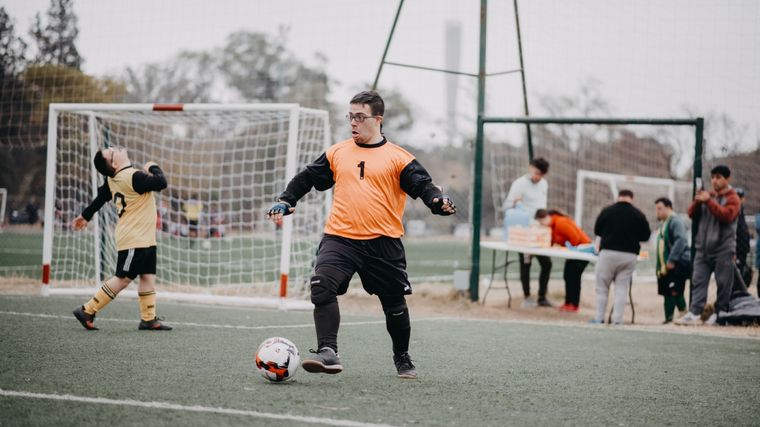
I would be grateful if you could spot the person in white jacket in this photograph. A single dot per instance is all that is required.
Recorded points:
(531, 190)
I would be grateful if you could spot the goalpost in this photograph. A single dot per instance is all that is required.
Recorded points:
(646, 190)
(644, 153)
(224, 163)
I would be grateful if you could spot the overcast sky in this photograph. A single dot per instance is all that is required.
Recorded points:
(650, 57)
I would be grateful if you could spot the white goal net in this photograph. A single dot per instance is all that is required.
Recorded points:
(224, 165)
(597, 190)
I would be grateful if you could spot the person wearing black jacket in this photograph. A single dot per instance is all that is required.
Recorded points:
(621, 228)
(743, 242)
(131, 190)
(371, 178)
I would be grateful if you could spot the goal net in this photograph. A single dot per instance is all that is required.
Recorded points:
(596, 190)
(224, 165)
(590, 163)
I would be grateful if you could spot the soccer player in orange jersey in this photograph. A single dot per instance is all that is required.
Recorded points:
(371, 178)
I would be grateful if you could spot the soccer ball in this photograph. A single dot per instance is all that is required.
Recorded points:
(206, 244)
(277, 359)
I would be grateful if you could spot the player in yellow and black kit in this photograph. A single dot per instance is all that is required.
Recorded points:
(371, 178)
(131, 190)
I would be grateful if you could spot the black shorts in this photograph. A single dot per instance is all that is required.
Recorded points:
(380, 262)
(136, 261)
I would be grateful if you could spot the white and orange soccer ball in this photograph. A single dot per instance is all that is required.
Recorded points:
(277, 359)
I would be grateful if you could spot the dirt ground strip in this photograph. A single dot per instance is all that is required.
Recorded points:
(433, 300)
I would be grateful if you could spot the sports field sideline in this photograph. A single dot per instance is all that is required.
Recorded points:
(471, 372)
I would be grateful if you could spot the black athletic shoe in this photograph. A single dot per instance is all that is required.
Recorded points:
(324, 361)
(154, 325)
(85, 319)
(543, 302)
(404, 366)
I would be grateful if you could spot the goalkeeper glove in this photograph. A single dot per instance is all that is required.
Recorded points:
(443, 205)
(281, 207)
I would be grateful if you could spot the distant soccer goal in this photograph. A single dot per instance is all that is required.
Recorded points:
(595, 190)
(224, 165)
(592, 159)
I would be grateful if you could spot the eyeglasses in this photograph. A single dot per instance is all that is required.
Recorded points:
(359, 117)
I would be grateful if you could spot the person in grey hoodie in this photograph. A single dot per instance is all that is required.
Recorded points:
(673, 258)
(716, 212)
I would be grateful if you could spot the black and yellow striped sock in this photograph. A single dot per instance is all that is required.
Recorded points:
(147, 305)
(102, 297)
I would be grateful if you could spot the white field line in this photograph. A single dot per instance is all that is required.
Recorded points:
(187, 408)
(211, 325)
(704, 331)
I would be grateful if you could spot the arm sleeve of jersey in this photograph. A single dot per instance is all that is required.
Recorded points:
(104, 195)
(317, 174)
(143, 182)
(416, 182)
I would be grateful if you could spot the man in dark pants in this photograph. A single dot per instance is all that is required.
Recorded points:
(530, 191)
(715, 245)
(372, 178)
(673, 265)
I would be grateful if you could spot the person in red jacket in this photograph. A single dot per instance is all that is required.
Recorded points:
(717, 214)
(565, 230)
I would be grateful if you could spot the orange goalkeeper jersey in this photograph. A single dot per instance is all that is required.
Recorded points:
(368, 200)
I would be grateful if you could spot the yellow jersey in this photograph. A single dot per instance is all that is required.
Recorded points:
(131, 190)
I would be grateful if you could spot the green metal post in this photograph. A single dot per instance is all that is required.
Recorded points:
(477, 185)
(522, 76)
(387, 45)
(699, 125)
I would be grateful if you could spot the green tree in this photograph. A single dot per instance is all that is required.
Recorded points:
(12, 48)
(12, 61)
(56, 39)
(55, 83)
(261, 69)
(187, 77)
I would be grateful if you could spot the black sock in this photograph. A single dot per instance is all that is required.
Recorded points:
(327, 321)
(397, 323)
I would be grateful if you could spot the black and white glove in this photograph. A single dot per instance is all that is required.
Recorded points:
(280, 208)
(443, 205)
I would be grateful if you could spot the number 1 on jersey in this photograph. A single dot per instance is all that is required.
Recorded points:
(361, 169)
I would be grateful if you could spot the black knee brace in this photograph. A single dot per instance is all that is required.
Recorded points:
(393, 304)
(326, 284)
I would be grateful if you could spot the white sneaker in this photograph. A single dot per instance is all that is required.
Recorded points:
(712, 320)
(529, 302)
(690, 319)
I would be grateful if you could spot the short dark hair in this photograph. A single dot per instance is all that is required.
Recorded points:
(665, 201)
(102, 166)
(541, 164)
(721, 170)
(371, 98)
(543, 213)
(625, 193)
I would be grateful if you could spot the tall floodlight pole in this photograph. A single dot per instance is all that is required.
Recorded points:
(387, 45)
(477, 185)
